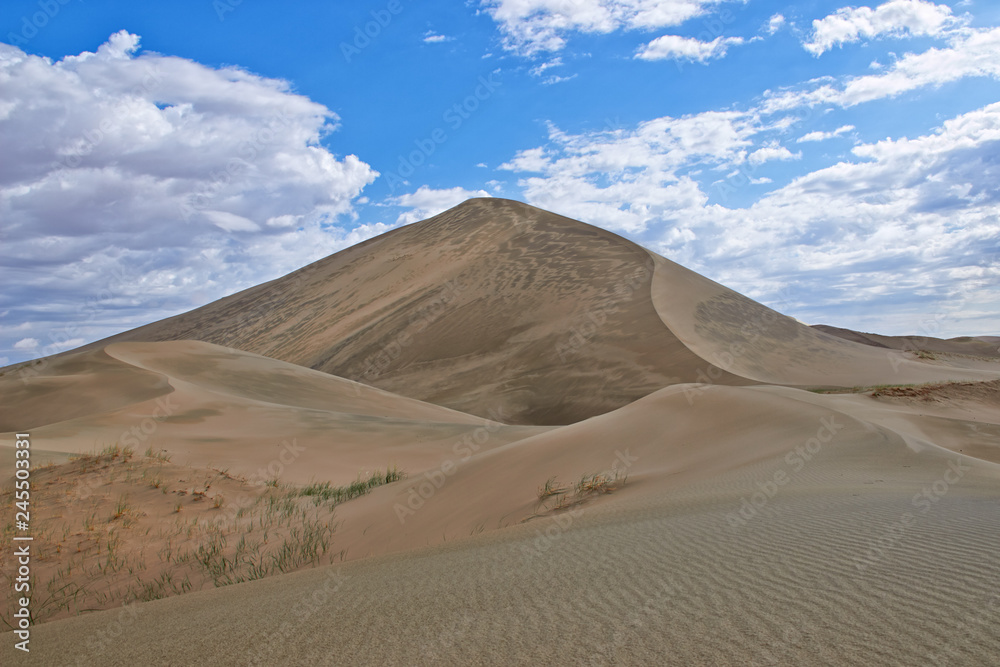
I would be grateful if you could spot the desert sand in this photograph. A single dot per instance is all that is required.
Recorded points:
(725, 485)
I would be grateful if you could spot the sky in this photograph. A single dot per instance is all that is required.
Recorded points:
(837, 162)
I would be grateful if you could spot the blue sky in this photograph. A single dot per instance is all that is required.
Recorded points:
(837, 162)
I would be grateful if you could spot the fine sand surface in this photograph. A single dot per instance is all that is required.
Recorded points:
(491, 304)
(726, 485)
(840, 565)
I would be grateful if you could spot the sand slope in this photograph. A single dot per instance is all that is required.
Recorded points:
(493, 303)
(877, 547)
(748, 339)
(220, 407)
(760, 523)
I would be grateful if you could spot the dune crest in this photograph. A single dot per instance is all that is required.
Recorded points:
(589, 434)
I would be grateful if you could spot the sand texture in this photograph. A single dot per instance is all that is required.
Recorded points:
(609, 459)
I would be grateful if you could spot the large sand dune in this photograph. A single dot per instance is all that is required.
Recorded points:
(726, 514)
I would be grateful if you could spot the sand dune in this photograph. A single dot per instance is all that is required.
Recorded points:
(233, 410)
(748, 339)
(492, 304)
(978, 346)
(722, 487)
(697, 560)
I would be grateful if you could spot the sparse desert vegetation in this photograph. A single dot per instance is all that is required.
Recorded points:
(112, 527)
(566, 496)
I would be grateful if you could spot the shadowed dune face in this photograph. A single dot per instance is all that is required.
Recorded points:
(221, 407)
(975, 346)
(72, 385)
(770, 519)
(748, 339)
(494, 305)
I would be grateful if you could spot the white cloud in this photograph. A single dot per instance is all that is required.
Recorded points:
(822, 136)
(190, 180)
(427, 202)
(624, 179)
(430, 37)
(555, 78)
(533, 26)
(772, 152)
(537, 70)
(26, 344)
(689, 48)
(909, 224)
(911, 216)
(975, 53)
(775, 23)
(896, 18)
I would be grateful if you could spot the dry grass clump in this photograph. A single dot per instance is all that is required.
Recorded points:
(565, 496)
(112, 527)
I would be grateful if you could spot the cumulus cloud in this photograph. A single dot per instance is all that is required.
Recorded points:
(623, 179)
(427, 202)
(907, 222)
(26, 344)
(430, 37)
(910, 219)
(819, 135)
(974, 53)
(775, 23)
(530, 27)
(896, 18)
(131, 182)
(772, 152)
(687, 48)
